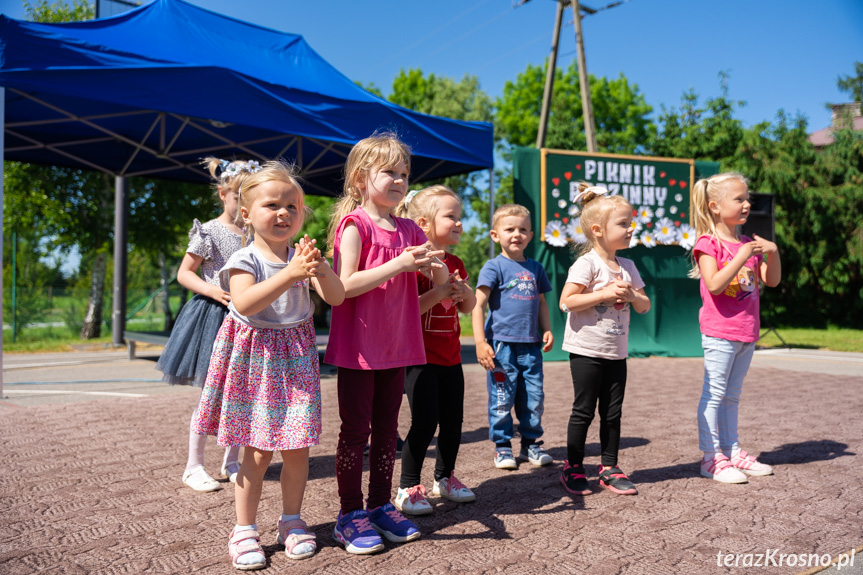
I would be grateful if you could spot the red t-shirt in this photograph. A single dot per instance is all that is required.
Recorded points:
(441, 330)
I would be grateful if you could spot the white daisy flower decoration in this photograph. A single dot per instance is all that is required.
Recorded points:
(633, 241)
(574, 210)
(648, 239)
(636, 227)
(686, 236)
(660, 212)
(561, 204)
(574, 231)
(673, 209)
(555, 192)
(665, 232)
(555, 235)
(645, 214)
(678, 197)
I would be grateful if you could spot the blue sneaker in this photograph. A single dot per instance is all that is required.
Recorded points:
(387, 521)
(356, 533)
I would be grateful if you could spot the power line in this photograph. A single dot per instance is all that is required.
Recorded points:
(429, 35)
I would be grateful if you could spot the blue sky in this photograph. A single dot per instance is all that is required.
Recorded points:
(779, 53)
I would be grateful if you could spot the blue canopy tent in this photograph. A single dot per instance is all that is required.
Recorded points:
(149, 92)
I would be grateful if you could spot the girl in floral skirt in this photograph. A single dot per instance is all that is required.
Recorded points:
(263, 387)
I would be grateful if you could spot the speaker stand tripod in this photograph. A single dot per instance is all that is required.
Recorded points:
(773, 329)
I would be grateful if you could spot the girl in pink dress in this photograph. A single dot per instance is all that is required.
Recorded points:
(263, 388)
(375, 334)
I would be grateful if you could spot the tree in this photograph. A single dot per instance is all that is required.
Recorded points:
(621, 113)
(853, 85)
(59, 11)
(710, 132)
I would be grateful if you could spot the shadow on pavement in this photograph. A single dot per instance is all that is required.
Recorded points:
(804, 452)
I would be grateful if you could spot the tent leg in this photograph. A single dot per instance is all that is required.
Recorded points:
(2, 132)
(491, 209)
(121, 213)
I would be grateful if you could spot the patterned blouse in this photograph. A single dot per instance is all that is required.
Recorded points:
(214, 243)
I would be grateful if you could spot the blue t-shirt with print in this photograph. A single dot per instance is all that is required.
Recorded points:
(513, 303)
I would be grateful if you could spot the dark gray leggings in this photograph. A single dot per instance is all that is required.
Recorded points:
(436, 396)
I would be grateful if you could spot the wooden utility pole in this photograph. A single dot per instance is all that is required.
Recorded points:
(549, 79)
(586, 104)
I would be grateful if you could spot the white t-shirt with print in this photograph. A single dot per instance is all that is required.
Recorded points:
(602, 330)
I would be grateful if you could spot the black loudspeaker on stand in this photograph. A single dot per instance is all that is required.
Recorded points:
(762, 222)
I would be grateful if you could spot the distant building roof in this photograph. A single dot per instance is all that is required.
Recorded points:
(824, 137)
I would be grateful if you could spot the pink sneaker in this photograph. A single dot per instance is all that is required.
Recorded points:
(749, 465)
(720, 469)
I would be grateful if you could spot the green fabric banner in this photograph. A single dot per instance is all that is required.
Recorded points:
(671, 327)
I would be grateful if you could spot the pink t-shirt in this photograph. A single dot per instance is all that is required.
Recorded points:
(602, 330)
(381, 328)
(733, 314)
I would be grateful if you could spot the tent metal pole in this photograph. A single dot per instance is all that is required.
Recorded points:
(2, 163)
(490, 209)
(121, 216)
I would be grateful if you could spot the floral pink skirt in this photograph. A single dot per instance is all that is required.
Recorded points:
(263, 388)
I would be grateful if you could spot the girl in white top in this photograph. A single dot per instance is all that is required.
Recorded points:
(263, 388)
(599, 291)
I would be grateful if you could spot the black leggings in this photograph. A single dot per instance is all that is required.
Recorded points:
(596, 378)
(436, 396)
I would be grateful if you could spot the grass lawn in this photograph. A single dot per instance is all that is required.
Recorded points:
(59, 339)
(832, 338)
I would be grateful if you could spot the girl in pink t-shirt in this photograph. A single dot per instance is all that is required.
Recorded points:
(600, 289)
(729, 266)
(375, 334)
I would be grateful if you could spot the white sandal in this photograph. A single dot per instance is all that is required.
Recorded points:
(230, 470)
(199, 480)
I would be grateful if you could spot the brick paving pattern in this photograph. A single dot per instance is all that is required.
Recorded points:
(94, 487)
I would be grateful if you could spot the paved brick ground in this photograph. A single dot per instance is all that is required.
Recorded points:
(94, 487)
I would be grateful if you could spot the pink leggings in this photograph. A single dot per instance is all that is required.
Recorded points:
(369, 401)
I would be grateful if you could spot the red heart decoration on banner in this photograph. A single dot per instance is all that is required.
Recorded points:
(568, 175)
(557, 214)
(578, 166)
(634, 213)
(555, 181)
(649, 224)
(677, 224)
(566, 220)
(672, 182)
(682, 184)
(662, 175)
(682, 215)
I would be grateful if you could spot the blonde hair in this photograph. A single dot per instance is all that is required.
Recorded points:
(596, 208)
(378, 151)
(706, 190)
(509, 210)
(272, 171)
(425, 204)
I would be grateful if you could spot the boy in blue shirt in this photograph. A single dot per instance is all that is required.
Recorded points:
(513, 287)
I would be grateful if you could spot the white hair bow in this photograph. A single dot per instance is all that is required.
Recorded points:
(598, 190)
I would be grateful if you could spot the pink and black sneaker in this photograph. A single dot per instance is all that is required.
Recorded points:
(574, 480)
(616, 481)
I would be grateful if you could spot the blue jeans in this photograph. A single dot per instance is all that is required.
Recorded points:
(725, 365)
(521, 388)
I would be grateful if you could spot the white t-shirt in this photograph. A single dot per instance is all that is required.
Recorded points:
(602, 330)
(290, 309)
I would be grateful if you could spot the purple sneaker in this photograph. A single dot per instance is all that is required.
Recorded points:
(387, 521)
(356, 533)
